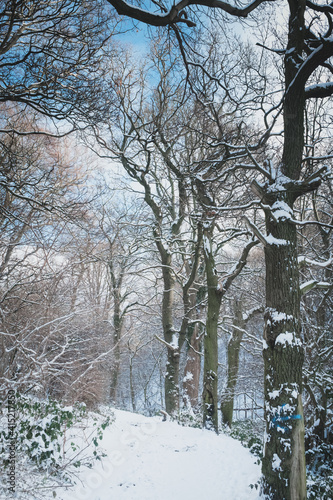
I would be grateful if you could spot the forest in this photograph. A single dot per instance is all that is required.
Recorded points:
(166, 222)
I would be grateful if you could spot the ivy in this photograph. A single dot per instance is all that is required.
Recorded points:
(41, 434)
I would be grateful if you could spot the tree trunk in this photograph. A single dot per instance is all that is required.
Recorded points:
(132, 389)
(215, 292)
(115, 373)
(192, 369)
(171, 383)
(117, 330)
(284, 455)
(284, 473)
(227, 405)
(193, 360)
(171, 386)
(321, 397)
(214, 295)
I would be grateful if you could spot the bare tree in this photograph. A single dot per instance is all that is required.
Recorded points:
(51, 61)
(119, 248)
(142, 145)
(31, 172)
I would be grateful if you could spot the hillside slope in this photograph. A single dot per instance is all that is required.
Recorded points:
(153, 460)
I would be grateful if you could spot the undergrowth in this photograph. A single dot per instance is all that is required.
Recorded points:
(47, 443)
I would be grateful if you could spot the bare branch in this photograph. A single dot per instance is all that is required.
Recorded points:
(176, 14)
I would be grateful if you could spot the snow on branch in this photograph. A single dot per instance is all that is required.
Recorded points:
(250, 314)
(247, 334)
(319, 90)
(302, 261)
(310, 285)
(256, 231)
(265, 240)
(307, 222)
(172, 347)
(239, 266)
(317, 57)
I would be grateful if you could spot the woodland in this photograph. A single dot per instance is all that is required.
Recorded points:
(166, 217)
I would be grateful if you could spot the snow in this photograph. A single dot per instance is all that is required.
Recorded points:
(317, 86)
(174, 341)
(188, 376)
(271, 240)
(206, 245)
(288, 338)
(274, 394)
(278, 316)
(304, 260)
(281, 211)
(280, 182)
(308, 284)
(149, 459)
(276, 463)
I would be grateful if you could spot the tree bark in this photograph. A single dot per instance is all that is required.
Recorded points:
(132, 389)
(320, 397)
(171, 383)
(192, 369)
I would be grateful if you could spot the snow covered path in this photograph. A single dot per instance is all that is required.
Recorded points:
(153, 460)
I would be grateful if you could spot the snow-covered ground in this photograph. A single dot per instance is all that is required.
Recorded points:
(149, 459)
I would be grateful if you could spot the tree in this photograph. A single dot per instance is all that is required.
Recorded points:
(32, 170)
(118, 238)
(309, 47)
(51, 59)
(140, 139)
(215, 136)
(240, 321)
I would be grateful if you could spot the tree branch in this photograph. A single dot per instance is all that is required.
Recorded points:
(319, 90)
(239, 266)
(176, 14)
(319, 8)
(317, 57)
(310, 285)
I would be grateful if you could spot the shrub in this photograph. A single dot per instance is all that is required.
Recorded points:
(248, 433)
(46, 436)
(319, 472)
(188, 417)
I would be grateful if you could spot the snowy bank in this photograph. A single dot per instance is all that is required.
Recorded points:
(153, 460)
